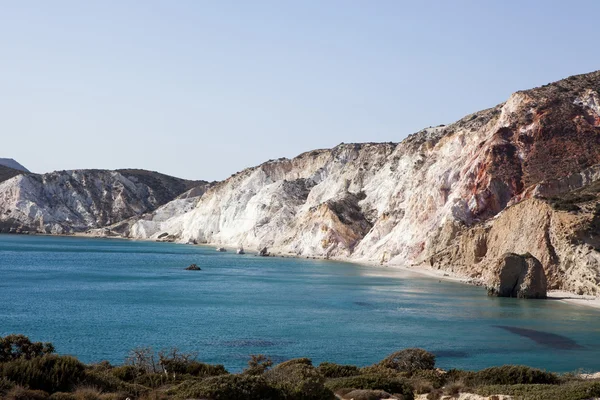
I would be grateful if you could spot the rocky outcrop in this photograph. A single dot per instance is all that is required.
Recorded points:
(193, 267)
(451, 197)
(515, 275)
(78, 200)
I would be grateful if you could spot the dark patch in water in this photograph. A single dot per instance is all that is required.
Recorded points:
(363, 304)
(544, 338)
(451, 354)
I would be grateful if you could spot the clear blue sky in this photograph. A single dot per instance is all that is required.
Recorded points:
(202, 89)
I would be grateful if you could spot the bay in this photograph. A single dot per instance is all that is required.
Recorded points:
(98, 298)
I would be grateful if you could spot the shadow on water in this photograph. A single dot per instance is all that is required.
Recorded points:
(363, 304)
(451, 354)
(544, 338)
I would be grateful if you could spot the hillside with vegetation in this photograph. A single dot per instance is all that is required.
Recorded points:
(32, 370)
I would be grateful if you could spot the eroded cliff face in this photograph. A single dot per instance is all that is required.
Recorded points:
(439, 198)
(72, 201)
(564, 242)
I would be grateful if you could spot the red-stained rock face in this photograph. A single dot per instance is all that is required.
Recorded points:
(552, 135)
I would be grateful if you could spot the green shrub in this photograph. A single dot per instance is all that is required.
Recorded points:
(153, 380)
(230, 387)
(50, 373)
(332, 370)
(409, 360)
(456, 375)
(567, 391)
(107, 382)
(126, 373)
(510, 375)
(294, 361)
(454, 388)
(373, 382)
(199, 369)
(20, 393)
(382, 371)
(5, 385)
(299, 380)
(15, 347)
(258, 364)
(428, 377)
(101, 366)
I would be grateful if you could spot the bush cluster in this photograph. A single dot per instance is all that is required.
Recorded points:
(566, 391)
(230, 387)
(509, 375)
(372, 382)
(299, 380)
(50, 373)
(409, 360)
(332, 370)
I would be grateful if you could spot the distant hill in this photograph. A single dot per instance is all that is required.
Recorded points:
(78, 200)
(10, 163)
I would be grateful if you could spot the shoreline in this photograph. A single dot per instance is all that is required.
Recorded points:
(555, 295)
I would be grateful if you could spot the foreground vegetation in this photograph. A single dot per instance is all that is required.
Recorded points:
(32, 370)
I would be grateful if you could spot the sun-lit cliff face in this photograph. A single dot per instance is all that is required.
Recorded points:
(408, 203)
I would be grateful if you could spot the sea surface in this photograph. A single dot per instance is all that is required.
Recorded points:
(99, 298)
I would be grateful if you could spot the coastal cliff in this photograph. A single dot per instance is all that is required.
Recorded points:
(520, 177)
(449, 197)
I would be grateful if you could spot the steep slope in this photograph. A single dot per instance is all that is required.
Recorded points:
(406, 203)
(71, 201)
(183, 203)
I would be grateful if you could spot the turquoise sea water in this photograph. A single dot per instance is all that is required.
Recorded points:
(97, 299)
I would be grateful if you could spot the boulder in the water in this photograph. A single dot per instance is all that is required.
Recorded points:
(515, 275)
(193, 267)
